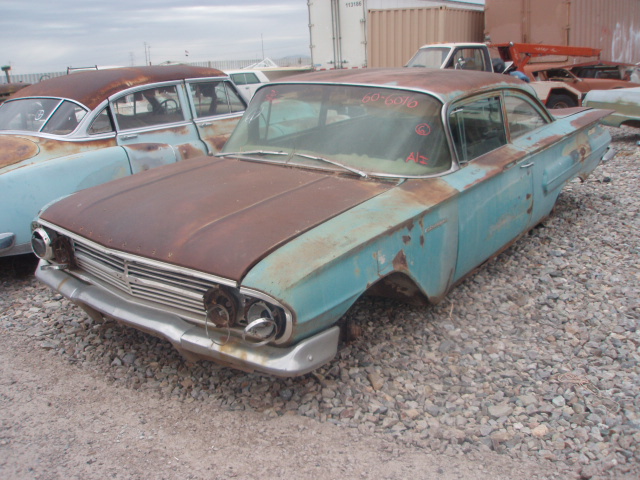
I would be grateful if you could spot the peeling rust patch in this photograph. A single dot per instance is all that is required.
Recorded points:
(400, 261)
(219, 218)
(428, 192)
(16, 149)
(187, 150)
(144, 147)
(445, 83)
(406, 239)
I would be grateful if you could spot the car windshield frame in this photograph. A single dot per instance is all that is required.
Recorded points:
(49, 115)
(430, 57)
(365, 130)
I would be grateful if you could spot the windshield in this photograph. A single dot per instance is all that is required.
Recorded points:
(378, 131)
(432, 57)
(48, 115)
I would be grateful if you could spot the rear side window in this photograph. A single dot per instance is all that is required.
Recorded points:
(65, 119)
(477, 127)
(215, 98)
(522, 116)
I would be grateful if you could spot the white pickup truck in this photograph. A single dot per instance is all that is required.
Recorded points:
(247, 81)
(476, 56)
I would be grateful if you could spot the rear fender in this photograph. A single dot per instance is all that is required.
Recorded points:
(25, 190)
(145, 156)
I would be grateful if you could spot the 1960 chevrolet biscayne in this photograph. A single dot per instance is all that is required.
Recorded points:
(394, 182)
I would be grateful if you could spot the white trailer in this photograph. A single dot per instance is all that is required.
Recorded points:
(338, 32)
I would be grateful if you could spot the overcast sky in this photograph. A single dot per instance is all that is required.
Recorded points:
(50, 35)
(39, 36)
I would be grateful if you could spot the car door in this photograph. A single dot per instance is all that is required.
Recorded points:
(554, 162)
(154, 123)
(494, 181)
(216, 107)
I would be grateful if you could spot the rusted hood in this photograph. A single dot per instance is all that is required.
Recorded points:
(220, 216)
(16, 149)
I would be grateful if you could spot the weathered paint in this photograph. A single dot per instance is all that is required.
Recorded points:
(16, 149)
(254, 206)
(440, 82)
(28, 189)
(459, 229)
(20, 150)
(92, 87)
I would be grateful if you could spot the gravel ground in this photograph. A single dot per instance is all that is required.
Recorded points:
(535, 358)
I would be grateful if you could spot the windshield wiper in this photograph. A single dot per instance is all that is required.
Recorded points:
(250, 152)
(288, 154)
(332, 162)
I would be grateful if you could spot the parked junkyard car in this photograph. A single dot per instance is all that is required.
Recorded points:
(586, 77)
(76, 131)
(624, 101)
(247, 81)
(397, 182)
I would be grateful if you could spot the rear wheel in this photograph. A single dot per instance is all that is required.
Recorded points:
(560, 100)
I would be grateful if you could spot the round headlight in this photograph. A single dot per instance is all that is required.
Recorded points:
(41, 244)
(261, 324)
(222, 306)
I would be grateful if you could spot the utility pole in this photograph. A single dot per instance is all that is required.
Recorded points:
(147, 54)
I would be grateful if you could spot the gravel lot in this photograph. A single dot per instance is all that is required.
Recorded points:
(528, 368)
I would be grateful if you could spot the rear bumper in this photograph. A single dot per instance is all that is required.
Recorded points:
(193, 340)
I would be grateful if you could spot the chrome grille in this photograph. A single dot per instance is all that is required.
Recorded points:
(141, 280)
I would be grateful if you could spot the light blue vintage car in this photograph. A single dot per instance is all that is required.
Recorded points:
(334, 184)
(76, 131)
(625, 103)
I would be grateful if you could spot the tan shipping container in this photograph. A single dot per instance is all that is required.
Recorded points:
(611, 25)
(395, 35)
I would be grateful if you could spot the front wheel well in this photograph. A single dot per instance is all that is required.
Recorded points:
(399, 286)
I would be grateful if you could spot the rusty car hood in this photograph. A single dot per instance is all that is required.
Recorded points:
(219, 216)
(14, 149)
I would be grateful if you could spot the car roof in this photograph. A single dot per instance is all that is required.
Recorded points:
(92, 87)
(445, 84)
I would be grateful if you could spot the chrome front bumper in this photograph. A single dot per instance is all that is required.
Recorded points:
(192, 340)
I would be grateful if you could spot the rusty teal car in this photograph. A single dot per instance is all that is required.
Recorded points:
(335, 184)
(76, 131)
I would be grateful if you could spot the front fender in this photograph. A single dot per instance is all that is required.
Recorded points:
(411, 230)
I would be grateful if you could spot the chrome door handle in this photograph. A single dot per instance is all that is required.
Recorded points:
(127, 137)
(527, 165)
(208, 124)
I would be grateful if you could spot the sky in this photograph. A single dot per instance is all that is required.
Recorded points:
(39, 36)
